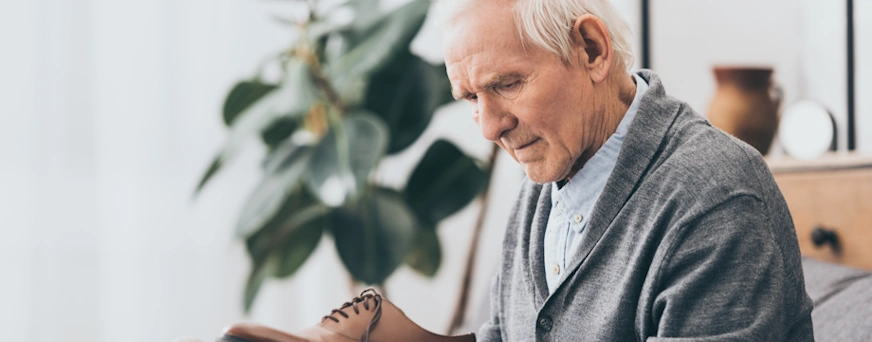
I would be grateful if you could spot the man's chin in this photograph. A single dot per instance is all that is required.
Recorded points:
(541, 176)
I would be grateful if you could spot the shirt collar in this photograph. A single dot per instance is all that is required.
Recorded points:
(578, 196)
(641, 88)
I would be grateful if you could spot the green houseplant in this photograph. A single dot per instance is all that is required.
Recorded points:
(350, 94)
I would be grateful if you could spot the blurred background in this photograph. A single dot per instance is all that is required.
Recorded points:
(113, 112)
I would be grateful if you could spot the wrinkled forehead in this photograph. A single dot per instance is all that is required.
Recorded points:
(446, 11)
(483, 26)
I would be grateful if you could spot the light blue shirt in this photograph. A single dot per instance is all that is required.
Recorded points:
(572, 205)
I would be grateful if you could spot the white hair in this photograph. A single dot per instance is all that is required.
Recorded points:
(548, 23)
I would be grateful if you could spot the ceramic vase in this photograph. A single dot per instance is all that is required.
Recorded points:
(746, 105)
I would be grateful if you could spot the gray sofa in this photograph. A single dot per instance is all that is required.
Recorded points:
(842, 301)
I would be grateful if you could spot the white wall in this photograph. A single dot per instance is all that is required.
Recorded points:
(16, 216)
(690, 36)
(48, 208)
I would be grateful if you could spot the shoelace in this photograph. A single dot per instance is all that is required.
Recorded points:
(366, 294)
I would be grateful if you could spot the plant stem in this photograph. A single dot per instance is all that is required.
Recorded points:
(463, 300)
(322, 83)
(307, 53)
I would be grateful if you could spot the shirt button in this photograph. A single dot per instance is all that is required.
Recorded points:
(578, 218)
(545, 323)
(555, 269)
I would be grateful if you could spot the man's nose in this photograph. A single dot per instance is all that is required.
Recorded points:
(493, 120)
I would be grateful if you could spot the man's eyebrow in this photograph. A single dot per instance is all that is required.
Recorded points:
(494, 81)
(458, 95)
(500, 79)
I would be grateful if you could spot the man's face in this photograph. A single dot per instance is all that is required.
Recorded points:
(537, 108)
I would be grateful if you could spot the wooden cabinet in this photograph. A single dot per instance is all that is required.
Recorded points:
(830, 200)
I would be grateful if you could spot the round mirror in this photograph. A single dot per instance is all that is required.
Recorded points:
(807, 130)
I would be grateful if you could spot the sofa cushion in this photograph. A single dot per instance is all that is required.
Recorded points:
(842, 299)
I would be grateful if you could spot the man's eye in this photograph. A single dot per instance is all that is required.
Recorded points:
(510, 86)
(472, 98)
(508, 89)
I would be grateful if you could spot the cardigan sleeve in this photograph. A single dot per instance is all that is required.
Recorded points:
(724, 279)
(490, 330)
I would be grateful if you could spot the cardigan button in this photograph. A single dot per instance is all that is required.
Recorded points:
(545, 323)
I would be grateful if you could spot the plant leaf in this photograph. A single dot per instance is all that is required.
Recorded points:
(406, 95)
(281, 178)
(298, 91)
(300, 234)
(278, 131)
(260, 269)
(373, 237)
(281, 246)
(318, 30)
(391, 35)
(426, 254)
(444, 181)
(243, 95)
(355, 147)
(367, 11)
(293, 99)
(211, 171)
(299, 209)
(336, 45)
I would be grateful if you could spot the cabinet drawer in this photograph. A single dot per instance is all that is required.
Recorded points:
(836, 202)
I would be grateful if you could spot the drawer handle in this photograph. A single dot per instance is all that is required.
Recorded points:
(821, 236)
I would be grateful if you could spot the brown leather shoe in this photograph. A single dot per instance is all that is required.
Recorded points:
(368, 318)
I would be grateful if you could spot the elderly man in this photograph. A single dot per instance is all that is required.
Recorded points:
(639, 221)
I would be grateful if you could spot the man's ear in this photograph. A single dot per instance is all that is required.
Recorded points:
(593, 46)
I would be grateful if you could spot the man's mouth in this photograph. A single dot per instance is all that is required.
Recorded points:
(526, 145)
